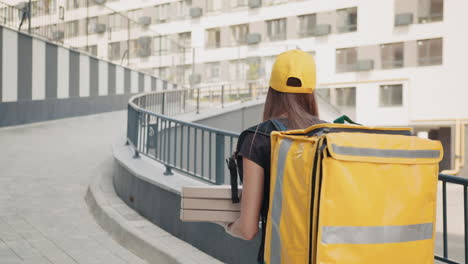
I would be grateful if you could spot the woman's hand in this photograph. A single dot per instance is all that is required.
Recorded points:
(246, 227)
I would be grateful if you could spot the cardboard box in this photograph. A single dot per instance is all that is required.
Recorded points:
(208, 204)
(208, 216)
(205, 192)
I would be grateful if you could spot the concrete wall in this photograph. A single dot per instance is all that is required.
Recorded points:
(236, 121)
(162, 207)
(42, 81)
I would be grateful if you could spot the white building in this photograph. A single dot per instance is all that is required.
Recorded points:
(385, 62)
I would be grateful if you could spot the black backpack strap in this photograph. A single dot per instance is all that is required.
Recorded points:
(279, 126)
(234, 163)
(232, 166)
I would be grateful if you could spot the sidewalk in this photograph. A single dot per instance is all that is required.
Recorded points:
(45, 169)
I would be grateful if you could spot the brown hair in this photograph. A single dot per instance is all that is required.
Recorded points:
(301, 110)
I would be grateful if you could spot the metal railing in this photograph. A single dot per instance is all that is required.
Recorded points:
(193, 149)
(464, 183)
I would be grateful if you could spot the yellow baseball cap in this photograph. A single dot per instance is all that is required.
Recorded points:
(293, 64)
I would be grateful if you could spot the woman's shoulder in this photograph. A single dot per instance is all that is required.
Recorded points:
(265, 128)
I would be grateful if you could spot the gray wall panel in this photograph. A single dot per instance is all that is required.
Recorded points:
(74, 74)
(24, 67)
(236, 121)
(127, 81)
(111, 78)
(141, 82)
(51, 70)
(15, 113)
(162, 207)
(93, 77)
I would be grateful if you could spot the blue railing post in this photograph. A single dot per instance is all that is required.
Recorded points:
(222, 96)
(183, 101)
(136, 130)
(219, 154)
(168, 171)
(198, 100)
(129, 117)
(163, 103)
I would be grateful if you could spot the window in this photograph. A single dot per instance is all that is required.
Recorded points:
(92, 22)
(163, 73)
(162, 45)
(346, 20)
(324, 93)
(213, 5)
(114, 51)
(143, 46)
(212, 71)
(185, 39)
(237, 70)
(239, 3)
(307, 25)
(183, 74)
(162, 13)
(392, 55)
(391, 95)
(181, 8)
(276, 29)
(41, 8)
(239, 34)
(71, 29)
(430, 10)
(274, 2)
(213, 38)
(268, 62)
(430, 52)
(134, 14)
(74, 4)
(117, 22)
(254, 70)
(346, 59)
(133, 48)
(345, 96)
(92, 50)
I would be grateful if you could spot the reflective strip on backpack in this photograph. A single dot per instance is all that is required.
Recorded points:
(385, 153)
(277, 203)
(376, 234)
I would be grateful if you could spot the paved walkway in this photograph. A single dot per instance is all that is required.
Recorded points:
(45, 170)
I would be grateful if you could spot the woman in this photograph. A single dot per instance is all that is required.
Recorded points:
(291, 101)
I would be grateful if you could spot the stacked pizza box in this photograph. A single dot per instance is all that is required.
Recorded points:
(208, 204)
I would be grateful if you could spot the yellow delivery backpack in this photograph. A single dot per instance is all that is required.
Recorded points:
(351, 194)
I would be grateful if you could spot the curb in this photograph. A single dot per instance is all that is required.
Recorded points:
(134, 232)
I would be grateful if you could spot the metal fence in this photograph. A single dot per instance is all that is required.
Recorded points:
(196, 150)
(445, 243)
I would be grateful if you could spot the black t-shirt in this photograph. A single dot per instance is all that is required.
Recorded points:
(257, 148)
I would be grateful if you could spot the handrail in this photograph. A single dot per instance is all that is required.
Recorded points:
(459, 181)
(193, 149)
(195, 125)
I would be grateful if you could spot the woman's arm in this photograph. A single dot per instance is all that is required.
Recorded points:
(246, 227)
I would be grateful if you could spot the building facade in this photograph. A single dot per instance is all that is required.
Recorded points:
(386, 62)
